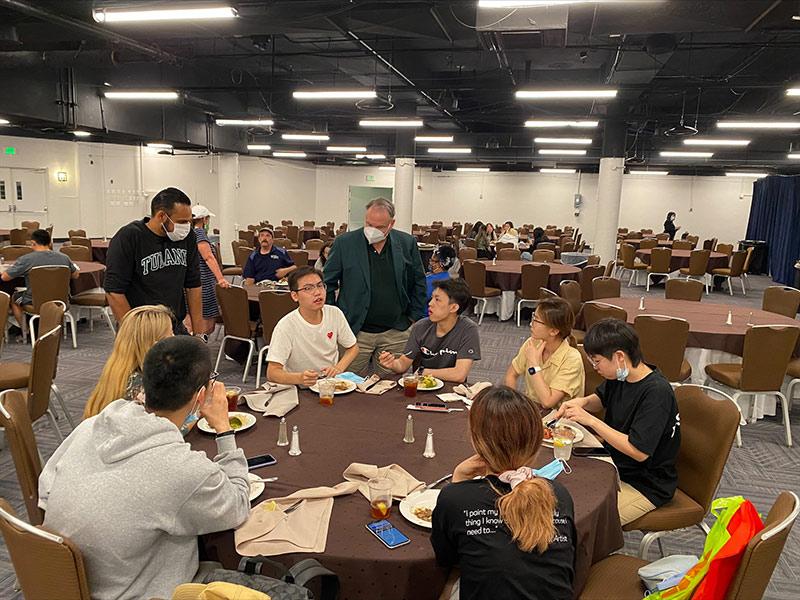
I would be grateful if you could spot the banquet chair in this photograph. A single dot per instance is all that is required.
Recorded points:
(30, 225)
(698, 264)
(710, 245)
(593, 260)
(782, 300)
(610, 268)
(726, 249)
(630, 263)
(587, 275)
(693, 240)
(308, 223)
(237, 270)
(475, 276)
(606, 287)
(235, 309)
(19, 237)
(81, 241)
(509, 254)
(662, 236)
(254, 228)
(660, 260)
(591, 378)
(13, 252)
(503, 246)
(76, 233)
(92, 301)
(683, 289)
(283, 242)
(44, 363)
(534, 277)
(568, 246)
(663, 341)
(617, 576)
(648, 244)
(747, 265)
(299, 257)
(469, 243)
(547, 293)
(793, 371)
(734, 269)
(543, 255)
(595, 311)
(315, 245)
(50, 283)
(432, 237)
(18, 429)
(273, 307)
(285, 222)
(571, 291)
(546, 246)
(293, 233)
(47, 565)
(467, 253)
(708, 428)
(767, 352)
(682, 245)
(247, 236)
(81, 253)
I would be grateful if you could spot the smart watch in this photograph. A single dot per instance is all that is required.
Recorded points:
(533, 370)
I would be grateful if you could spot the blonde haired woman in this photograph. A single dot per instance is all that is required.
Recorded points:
(511, 533)
(139, 330)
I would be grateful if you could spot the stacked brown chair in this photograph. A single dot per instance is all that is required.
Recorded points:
(76, 233)
(534, 277)
(782, 300)
(467, 253)
(475, 276)
(299, 257)
(19, 237)
(698, 265)
(81, 241)
(50, 283)
(663, 341)
(509, 254)
(682, 245)
(606, 287)
(273, 306)
(683, 289)
(734, 269)
(79, 253)
(314, 245)
(235, 309)
(630, 262)
(587, 275)
(660, 259)
(11, 253)
(543, 255)
(767, 352)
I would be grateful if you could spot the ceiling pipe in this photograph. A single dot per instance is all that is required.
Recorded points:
(92, 30)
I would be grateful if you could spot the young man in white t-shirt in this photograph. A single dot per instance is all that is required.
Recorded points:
(305, 343)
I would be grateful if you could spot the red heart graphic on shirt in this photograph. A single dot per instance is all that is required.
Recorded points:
(330, 335)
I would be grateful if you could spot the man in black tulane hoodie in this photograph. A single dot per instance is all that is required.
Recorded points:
(155, 260)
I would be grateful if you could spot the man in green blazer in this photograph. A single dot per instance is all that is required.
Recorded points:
(378, 273)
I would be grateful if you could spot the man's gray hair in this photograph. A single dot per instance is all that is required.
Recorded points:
(382, 203)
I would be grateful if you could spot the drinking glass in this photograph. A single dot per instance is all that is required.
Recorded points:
(410, 382)
(232, 394)
(327, 388)
(562, 443)
(380, 497)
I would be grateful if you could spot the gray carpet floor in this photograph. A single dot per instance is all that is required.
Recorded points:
(759, 470)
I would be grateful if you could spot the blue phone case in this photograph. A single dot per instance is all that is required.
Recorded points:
(387, 533)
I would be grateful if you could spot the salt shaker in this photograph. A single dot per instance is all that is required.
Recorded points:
(729, 320)
(294, 449)
(429, 452)
(409, 436)
(283, 438)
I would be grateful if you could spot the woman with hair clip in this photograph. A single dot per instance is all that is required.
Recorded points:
(511, 533)
(139, 331)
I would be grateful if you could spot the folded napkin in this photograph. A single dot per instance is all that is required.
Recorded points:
(382, 386)
(588, 441)
(471, 391)
(276, 400)
(270, 531)
(403, 483)
(367, 383)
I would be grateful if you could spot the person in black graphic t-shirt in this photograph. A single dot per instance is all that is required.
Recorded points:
(511, 533)
(155, 261)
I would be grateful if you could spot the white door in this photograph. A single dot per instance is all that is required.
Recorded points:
(6, 200)
(29, 193)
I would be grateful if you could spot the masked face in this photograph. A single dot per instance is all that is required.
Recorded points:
(373, 234)
(181, 225)
(377, 224)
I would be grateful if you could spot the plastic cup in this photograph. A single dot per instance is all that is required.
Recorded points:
(327, 389)
(562, 443)
(232, 394)
(410, 383)
(380, 497)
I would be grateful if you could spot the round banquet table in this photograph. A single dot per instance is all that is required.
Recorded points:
(637, 242)
(100, 250)
(352, 430)
(680, 259)
(92, 275)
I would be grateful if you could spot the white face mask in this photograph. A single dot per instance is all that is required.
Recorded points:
(373, 235)
(179, 232)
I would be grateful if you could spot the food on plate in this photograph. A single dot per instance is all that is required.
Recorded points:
(423, 513)
(342, 385)
(548, 433)
(235, 422)
(427, 381)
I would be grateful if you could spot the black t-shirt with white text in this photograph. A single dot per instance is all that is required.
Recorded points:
(647, 412)
(467, 532)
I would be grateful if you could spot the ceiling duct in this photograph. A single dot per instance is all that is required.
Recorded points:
(524, 28)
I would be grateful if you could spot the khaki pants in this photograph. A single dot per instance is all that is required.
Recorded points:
(370, 345)
(631, 503)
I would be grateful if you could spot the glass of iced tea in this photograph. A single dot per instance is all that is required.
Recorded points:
(232, 394)
(380, 497)
(410, 382)
(327, 389)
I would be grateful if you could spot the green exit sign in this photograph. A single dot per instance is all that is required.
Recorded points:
(10, 150)
(370, 177)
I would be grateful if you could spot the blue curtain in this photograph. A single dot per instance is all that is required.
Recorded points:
(775, 219)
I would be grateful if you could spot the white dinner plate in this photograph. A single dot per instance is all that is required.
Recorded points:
(578, 435)
(423, 499)
(439, 385)
(338, 392)
(247, 420)
(256, 487)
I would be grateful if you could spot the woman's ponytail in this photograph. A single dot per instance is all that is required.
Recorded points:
(528, 510)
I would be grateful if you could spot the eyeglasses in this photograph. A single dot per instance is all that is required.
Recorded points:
(310, 288)
(535, 320)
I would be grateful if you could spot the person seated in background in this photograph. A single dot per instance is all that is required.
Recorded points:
(446, 343)
(641, 426)
(132, 495)
(267, 262)
(553, 370)
(475, 229)
(491, 234)
(42, 256)
(440, 264)
(509, 235)
(524, 547)
(305, 343)
(539, 236)
(482, 244)
(140, 329)
(324, 252)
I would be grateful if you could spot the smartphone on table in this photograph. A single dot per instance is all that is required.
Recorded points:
(390, 536)
(264, 460)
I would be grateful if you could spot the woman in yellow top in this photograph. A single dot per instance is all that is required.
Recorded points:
(139, 330)
(553, 369)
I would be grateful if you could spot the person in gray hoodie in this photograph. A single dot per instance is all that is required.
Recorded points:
(130, 492)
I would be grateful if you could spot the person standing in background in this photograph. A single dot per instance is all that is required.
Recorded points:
(669, 225)
(210, 272)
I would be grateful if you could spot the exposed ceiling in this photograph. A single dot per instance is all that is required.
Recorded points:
(451, 64)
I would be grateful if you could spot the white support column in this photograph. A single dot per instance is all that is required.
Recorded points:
(403, 193)
(228, 187)
(609, 194)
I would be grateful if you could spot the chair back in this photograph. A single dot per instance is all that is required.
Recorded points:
(660, 259)
(610, 268)
(572, 291)
(456, 230)
(568, 246)
(628, 255)
(475, 276)
(308, 223)
(81, 241)
(764, 550)
(30, 225)
(592, 260)
(588, 274)
(76, 233)
(282, 242)
(315, 245)
(749, 257)
(77, 253)
(646, 231)
(663, 342)
(19, 237)
(698, 262)
(5, 302)
(708, 244)
(533, 278)
(546, 293)
(273, 307)
(543, 255)
(293, 233)
(16, 420)
(782, 300)
(503, 246)
(767, 351)
(606, 287)
(596, 311)
(648, 244)
(693, 240)
(726, 249)
(254, 228)
(546, 246)
(46, 565)
(299, 257)
(662, 236)
(49, 283)
(467, 253)
(246, 236)
(737, 263)
(683, 289)
(13, 252)
(682, 245)
(509, 254)
(242, 253)
(470, 243)
(285, 222)
(591, 378)
(51, 315)
(235, 309)
(43, 371)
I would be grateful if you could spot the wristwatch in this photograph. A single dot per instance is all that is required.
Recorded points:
(533, 370)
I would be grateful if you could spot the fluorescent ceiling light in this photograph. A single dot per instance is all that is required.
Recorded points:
(746, 175)
(553, 124)
(142, 95)
(714, 142)
(568, 141)
(346, 148)
(168, 14)
(793, 92)
(562, 152)
(371, 156)
(159, 146)
(450, 150)
(333, 94)
(386, 168)
(564, 94)
(671, 154)
(306, 137)
(472, 169)
(532, 3)
(259, 147)
(434, 139)
(246, 122)
(796, 18)
(793, 156)
(639, 172)
(288, 154)
(79, 133)
(758, 124)
(5, 122)
(391, 123)
(546, 170)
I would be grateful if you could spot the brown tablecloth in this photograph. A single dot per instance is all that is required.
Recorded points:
(507, 274)
(369, 429)
(707, 328)
(100, 250)
(680, 259)
(637, 243)
(91, 276)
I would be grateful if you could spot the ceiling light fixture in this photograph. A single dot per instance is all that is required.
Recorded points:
(746, 175)
(288, 154)
(159, 145)
(793, 92)
(80, 133)
(333, 94)
(434, 139)
(391, 123)
(535, 3)
(567, 171)
(346, 148)
(562, 151)
(714, 142)
(554, 124)
(450, 150)
(246, 122)
(758, 124)
(638, 172)
(5, 122)
(142, 95)
(102, 15)
(371, 156)
(472, 169)
(259, 147)
(306, 137)
(568, 141)
(672, 154)
(793, 156)
(565, 94)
